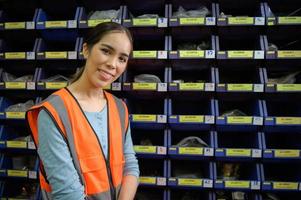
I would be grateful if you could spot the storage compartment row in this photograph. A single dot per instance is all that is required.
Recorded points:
(16, 189)
(229, 175)
(156, 13)
(191, 114)
(194, 43)
(184, 78)
(223, 145)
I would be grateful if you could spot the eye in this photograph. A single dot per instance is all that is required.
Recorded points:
(105, 51)
(122, 59)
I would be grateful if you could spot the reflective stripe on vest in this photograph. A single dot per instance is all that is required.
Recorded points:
(95, 172)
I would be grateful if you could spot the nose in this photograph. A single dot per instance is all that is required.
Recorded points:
(112, 61)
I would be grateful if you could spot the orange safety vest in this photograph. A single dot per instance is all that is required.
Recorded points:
(101, 177)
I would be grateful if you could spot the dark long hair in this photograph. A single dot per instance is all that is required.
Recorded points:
(95, 34)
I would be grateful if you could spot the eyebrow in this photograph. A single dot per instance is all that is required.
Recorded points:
(111, 48)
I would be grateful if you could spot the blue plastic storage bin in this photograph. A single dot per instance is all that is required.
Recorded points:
(281, 146)
(281, 195)
(150, 143)
(249, 178)
(238, 145)
(237, 13)
(190, 174)
(231, 194)
(186, 152)
(195, 114)
(251, 121)
(208, 20)
(133, 9)
(153, 172)
(281, 176)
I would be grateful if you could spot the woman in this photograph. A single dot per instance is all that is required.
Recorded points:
(81, 132)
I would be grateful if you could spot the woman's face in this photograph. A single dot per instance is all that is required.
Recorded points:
(107, 59)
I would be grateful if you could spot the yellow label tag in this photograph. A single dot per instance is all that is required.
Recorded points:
(94, 22)
(145, 22)
(56, 54)
(191, 54)
(15, 55)
(191, 86)
(240, 87)
(289, 54)
(144, 86)
(190, 181)
(14, 25)
(56, 24)
(285, 185)
(191, 150)
(237, 184)
(144, 54)
(240, 54)
(144, 118)
(16, 144)
(288, 120)
(18, 173)
(147, 180)
(191, 118)
(288, 87)
(15, 115)
(284, 153)
(144, 149)
(238, 152)
(55, 85)
(15, 85)
(289, 20)
(240, 20)
(196, 20)
(239, 120)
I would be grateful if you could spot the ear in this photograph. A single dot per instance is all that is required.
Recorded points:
(85, 50)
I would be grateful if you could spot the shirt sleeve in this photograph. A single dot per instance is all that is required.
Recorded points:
(57, 161)
(131, 162)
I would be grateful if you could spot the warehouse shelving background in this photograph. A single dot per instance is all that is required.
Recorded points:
(44, 38)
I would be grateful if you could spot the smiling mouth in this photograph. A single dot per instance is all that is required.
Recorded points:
(105, 74)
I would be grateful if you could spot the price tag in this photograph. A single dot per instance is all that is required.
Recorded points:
(15, 85)
(239, 120)
(15, 55)
(14, 25)
(289, 20)
(161, 181)
(72, 55)
(191, 54)
(161, 118)
(147, 180)
(191, 86)
(191, 150)
(210, 54)
(162, 87)
(240, 20)
(162, 54)
(209, 87)
(190, 181)
(289, 54)
(144, 54)
(30, 25)
(240, 87)
(237, 184)
(210, 21)
(145, 22)
(285, 185)
(287, 153)
(56, 54)
(162, 22)
(144, 86)
(94, 22)
(32, 174)
(209, 119)
(258, 87)
(288, 120)
(55, 85)
(238, 152)
(30, 55)
(145, 149)
(17, 173)
(31, 145)
(192, 21)
(15, 115)
(144, 118)
(56, 24)
(191, 118)
(240, 54)
(288, 87)
(16, 144)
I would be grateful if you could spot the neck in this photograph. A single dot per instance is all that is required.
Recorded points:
(83, 89)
